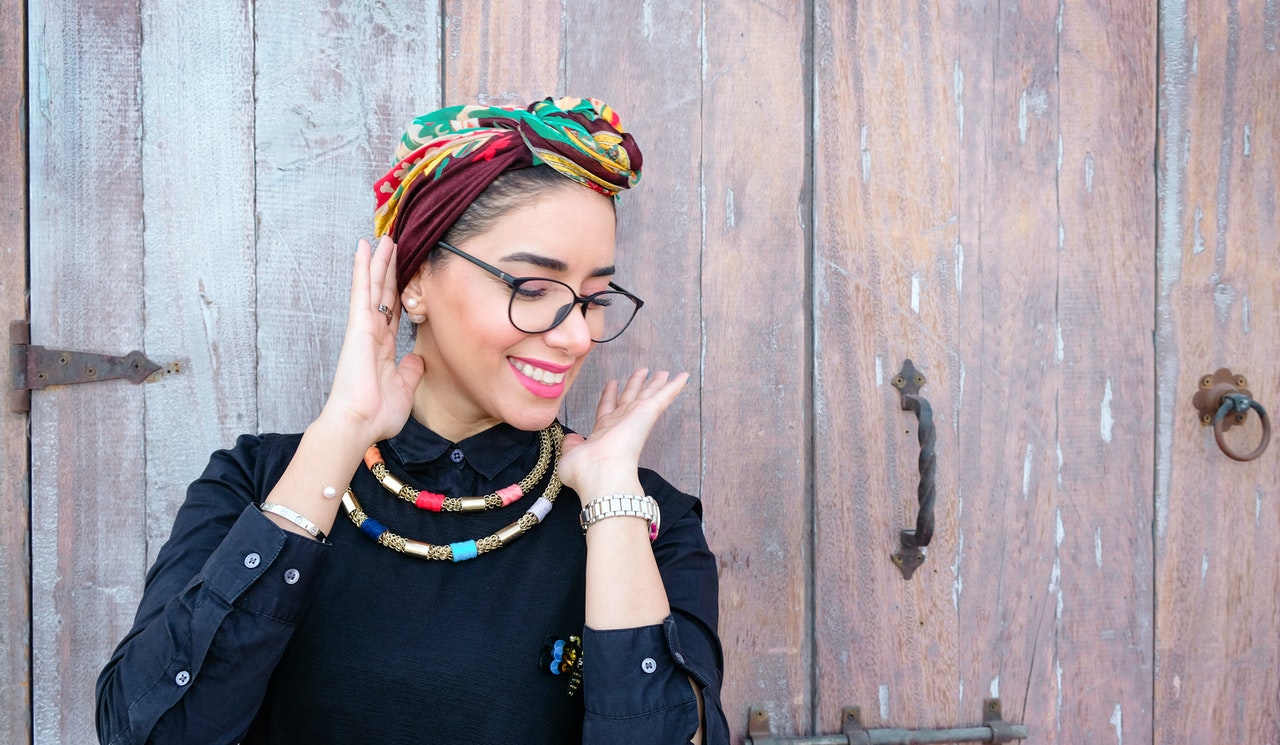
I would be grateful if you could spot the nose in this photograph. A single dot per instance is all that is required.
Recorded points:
(573, 335)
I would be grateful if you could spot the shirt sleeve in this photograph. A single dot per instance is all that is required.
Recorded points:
(636, 682)
(219, 607)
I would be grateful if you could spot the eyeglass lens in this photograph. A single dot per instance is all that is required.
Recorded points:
(538, 305)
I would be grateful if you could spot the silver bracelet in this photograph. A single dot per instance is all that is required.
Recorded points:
(622, 505)
(295, 518)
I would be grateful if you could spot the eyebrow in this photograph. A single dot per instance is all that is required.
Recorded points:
(555, 265)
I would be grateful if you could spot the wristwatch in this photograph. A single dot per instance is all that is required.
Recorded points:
(622, 505)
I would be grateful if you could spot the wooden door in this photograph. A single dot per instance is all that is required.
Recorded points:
(1063, 211)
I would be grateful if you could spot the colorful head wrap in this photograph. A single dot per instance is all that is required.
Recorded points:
(448, 157)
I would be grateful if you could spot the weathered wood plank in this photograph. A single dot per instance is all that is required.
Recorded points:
(335, 86)
(653, 85)
(87, 464)
(1217, 521)
(197, 95)
(755, 375)
(932, 266)
(15, 563)
(503, 53)
(886, 137)
(1103, 636)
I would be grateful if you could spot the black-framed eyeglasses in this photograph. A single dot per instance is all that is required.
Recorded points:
(539, 304)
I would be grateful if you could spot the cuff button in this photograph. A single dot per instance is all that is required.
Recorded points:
(648, 665)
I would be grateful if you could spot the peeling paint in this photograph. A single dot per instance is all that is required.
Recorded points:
(1204, 567)
(884, 702)
(1117, 721)
(1033, 102)
(646, 23)
(1197, 245)
(1026, 470)
(1246, 140)
(866, 157)
(957, 585)
(995, 687)
(1244, 314)
(879, 371)
(1022, 118)
(957, 84)
(1173, 95)
(959, 266)
(1088, 172)
(1058, 446)
(729, 217)
(1223, 295)
(1057, 711)
(915, 293)
(1106, 420)
(1059, 349)
(1097, 546)
(1257, 506)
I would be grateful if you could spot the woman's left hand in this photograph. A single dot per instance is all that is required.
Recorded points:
(607, 462)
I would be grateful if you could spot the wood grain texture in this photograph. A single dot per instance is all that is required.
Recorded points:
(1217, 521)
(15, 484)
(88, 448)
(970, 170)
(1103, 632)
(197, 95)
(652, 86)
(755, 379)
(335, 86)
(886, 136)
(504, 53)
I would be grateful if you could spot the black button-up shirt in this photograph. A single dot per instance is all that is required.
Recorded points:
(249, 633)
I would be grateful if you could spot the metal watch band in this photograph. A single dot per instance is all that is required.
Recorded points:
(622, 505)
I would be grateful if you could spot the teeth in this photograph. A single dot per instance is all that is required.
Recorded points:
(546, 377)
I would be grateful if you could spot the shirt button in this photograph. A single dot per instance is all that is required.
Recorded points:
(252, 560)
(291, 576)
(648, 665)
(679, 658)
(182, 678)
(456, 455)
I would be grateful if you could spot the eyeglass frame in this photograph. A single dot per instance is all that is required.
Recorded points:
(514, 283)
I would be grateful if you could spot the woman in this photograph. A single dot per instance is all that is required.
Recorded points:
(316, 589)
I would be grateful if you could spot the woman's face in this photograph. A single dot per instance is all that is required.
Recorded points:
(482, 370)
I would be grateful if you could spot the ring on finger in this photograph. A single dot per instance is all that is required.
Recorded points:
(384, 310)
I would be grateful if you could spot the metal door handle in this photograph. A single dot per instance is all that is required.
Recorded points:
(913, 541)
(1223, 400)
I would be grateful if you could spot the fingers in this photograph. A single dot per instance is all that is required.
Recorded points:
(389, 289)
(360, 277)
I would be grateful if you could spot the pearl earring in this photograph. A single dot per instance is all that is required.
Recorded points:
(411, 302)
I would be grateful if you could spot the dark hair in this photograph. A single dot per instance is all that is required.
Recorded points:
(510, 191)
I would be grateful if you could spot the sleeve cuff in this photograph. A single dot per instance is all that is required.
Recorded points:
(263, 569)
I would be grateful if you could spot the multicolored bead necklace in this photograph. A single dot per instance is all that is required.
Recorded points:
(462, 550)
(429, 500)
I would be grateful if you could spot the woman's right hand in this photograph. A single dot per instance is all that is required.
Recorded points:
(372, 395)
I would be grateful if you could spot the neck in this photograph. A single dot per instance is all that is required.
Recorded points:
(430, 411)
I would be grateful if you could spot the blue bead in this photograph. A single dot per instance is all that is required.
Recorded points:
(558, 648)
(555, 667)
(464, 550)
(372, 528)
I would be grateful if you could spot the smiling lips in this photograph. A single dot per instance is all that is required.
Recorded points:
(545, 380)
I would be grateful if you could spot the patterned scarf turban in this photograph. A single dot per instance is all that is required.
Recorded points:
(448, 157)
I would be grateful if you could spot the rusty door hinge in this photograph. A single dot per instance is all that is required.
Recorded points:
(992, 729)
(34, 367)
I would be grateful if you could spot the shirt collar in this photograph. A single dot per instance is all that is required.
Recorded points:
(489, 452)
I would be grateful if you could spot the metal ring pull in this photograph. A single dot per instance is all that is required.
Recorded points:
(1240, 404)
(911, 551)
(1224, 400)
